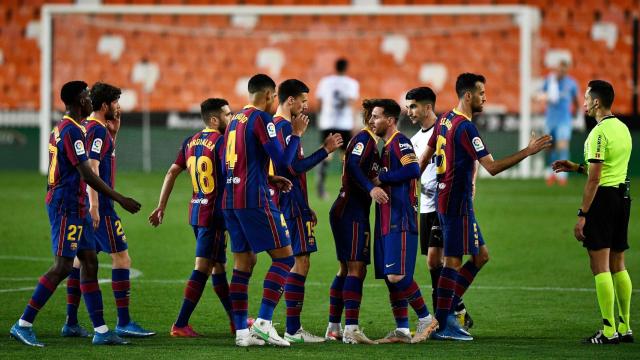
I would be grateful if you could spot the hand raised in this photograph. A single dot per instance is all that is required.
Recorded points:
(536, 144)
(299, 124)
(333, 142)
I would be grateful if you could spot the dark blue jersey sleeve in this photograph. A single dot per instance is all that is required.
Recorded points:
(266, 131)
(353, 161)
(300, 166)
(409, 168)
(97, 142)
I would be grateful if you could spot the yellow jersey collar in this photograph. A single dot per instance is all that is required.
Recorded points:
(391, 137)
(96, 120)
(374, 136)
(208, 130)
(460, 113)
(281, 115)
(74, 122)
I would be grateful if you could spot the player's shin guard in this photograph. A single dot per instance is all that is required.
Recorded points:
(40, 296)
(399, 306)
(352, 294)
(73, 296)
(336, 303)
(294, 299)
(93, 301)
(221, 288)
(192, 294)
(411, 291)
(121, 286)
(239, 298)
(446, 286)
(623, 287)
(465, 277)
(606, 300)
(273, 286)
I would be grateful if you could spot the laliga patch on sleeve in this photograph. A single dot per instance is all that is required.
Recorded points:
(477, 144)
(271, 130)
(79, 147)
(97, 146)
(357, 150)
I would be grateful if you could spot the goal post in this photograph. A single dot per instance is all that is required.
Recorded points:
(524, 17)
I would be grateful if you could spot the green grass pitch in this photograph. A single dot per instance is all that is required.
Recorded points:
(534, 299)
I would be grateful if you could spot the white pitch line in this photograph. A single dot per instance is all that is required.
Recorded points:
(133, 273)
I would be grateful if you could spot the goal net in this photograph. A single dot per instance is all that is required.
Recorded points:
(167, 59)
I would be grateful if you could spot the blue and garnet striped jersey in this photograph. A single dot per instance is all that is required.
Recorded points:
(399, 171)
(101, 147)
(295, 202)
(457, 145)
(201, 155)
(250, 141)
(65, 189)
(359, 167)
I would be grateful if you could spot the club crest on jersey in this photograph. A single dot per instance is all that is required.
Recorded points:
(79, 147)
(477, 144)
(357, 150)
(271, 130)
(97, 145)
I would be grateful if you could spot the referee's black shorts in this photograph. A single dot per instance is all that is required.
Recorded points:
(346, 136)
(430, 232)
(607, 220)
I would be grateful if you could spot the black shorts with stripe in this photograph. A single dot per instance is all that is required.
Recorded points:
(607, 220)
(430, 232)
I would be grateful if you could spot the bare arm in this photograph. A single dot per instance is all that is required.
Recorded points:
(590, 188)
(495, 167)
(157, 214)
(425, 157)
(95, 182)
(94, 202)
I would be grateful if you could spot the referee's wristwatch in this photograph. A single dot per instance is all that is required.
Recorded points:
(581, 213)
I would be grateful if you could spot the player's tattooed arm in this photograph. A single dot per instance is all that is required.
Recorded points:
(129, 204)
(157, 214)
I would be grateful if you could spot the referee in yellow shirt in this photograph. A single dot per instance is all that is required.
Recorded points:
(603, 219)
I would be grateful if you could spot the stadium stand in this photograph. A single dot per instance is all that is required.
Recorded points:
(185, 66)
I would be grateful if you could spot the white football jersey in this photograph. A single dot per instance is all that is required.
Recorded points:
(335, 91)
(428, 181)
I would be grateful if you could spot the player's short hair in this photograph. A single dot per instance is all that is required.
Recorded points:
(603, 91)
(390, 107)
(103, 93)
(291, 87)
(422, 94)
(341, 65)
(211, 107)
(467, 82)
(260, 82)
(70, 91)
